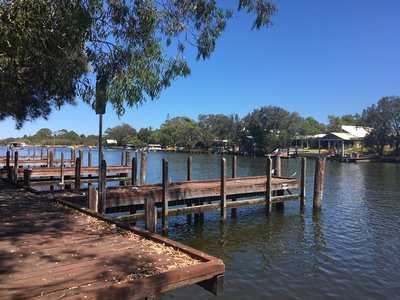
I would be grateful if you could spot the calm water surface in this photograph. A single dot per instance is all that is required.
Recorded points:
(351, 250)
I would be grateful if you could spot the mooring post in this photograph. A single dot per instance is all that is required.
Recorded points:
(278, 173)
(319, 182)
(223, 190)
(15, 177)
(165, 195)
(303, 182)
(41, 153)
(89, 162)
(103, 178)
(78, 162)
(234, 175)
(8, 159)
(27, 177)
(134, 172)
(50, 162)
(92, 198)
(268, 188)
(143, 167)
(127, 158)
(189, 178)
(72, 155)
(62, 169)
(122, 158)
(151, 215)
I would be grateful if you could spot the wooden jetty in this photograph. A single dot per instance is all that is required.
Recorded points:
(52, 250)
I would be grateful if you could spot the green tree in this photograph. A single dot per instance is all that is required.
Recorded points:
(310, 126)
(220, 127)
(384, 119)
(134, 48)
(180, 131)
(335, 122)
(271, 127)
(122, 133)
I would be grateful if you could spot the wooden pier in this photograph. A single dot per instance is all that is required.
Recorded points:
(53, 250)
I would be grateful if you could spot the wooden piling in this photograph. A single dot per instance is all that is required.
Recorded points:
(27, 177)
(41, 153)
(89, 158)
(319, 182)
(50, 162)
(127, 158)
(93, 199)
(72, 155)
(223, 190)
(278, 173)
(151, 215)
(234, 175)
(189, 178)
(7, 159)
(303, 182)
(78, 162)
(268, 190)
(122, 158)
(103, 180)
(134, 172)
(62, 169)
(143, 167)
(164, 195)
(15, 175)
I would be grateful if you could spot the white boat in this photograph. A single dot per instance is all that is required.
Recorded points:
(16, 145)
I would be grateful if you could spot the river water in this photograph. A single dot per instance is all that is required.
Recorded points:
(350, 250)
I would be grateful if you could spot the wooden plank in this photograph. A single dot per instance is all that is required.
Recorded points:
(197, 189)
(151, 215)
(70, 171)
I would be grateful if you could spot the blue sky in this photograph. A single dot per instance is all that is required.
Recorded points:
(319, 58)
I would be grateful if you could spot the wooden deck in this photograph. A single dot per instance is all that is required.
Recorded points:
(184, 190)
(50, 251)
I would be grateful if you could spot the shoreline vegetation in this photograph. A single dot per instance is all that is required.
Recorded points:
(260, 132)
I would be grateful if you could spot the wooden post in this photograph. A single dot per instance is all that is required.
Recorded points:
(8, 159)
(278, 173)
(189, 178)
(278, 166)
(103, 178)
(50, 162)
(151, 215)
(122, 158)
(268, 188)
(41, 153)
(62, 169)
(223, 190)
(319, 146)
(89, 158)
(165, 195)
(72, 155)
(134, 172)
(143, 167)
(27, 177)
(319, 182)
(15, 177)
(78, 162)
(303, 183)
(189, 168)
(93, 199)
(127, 158)
(234, 175)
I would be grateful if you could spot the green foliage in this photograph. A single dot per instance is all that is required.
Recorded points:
(50, 49)
(180, 131)
(384, 118)
(335, 122)
(310, 126)
(123, 134)
(219, 127)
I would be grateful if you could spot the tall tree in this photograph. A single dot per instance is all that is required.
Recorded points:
(135, 48)
(122, 133)
(180, 131)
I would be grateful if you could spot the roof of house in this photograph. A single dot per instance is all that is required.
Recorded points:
(357, 131)
(341, 136)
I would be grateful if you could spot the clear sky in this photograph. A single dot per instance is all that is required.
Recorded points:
(319, 58)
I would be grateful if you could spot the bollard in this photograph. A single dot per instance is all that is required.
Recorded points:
(319, 183)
